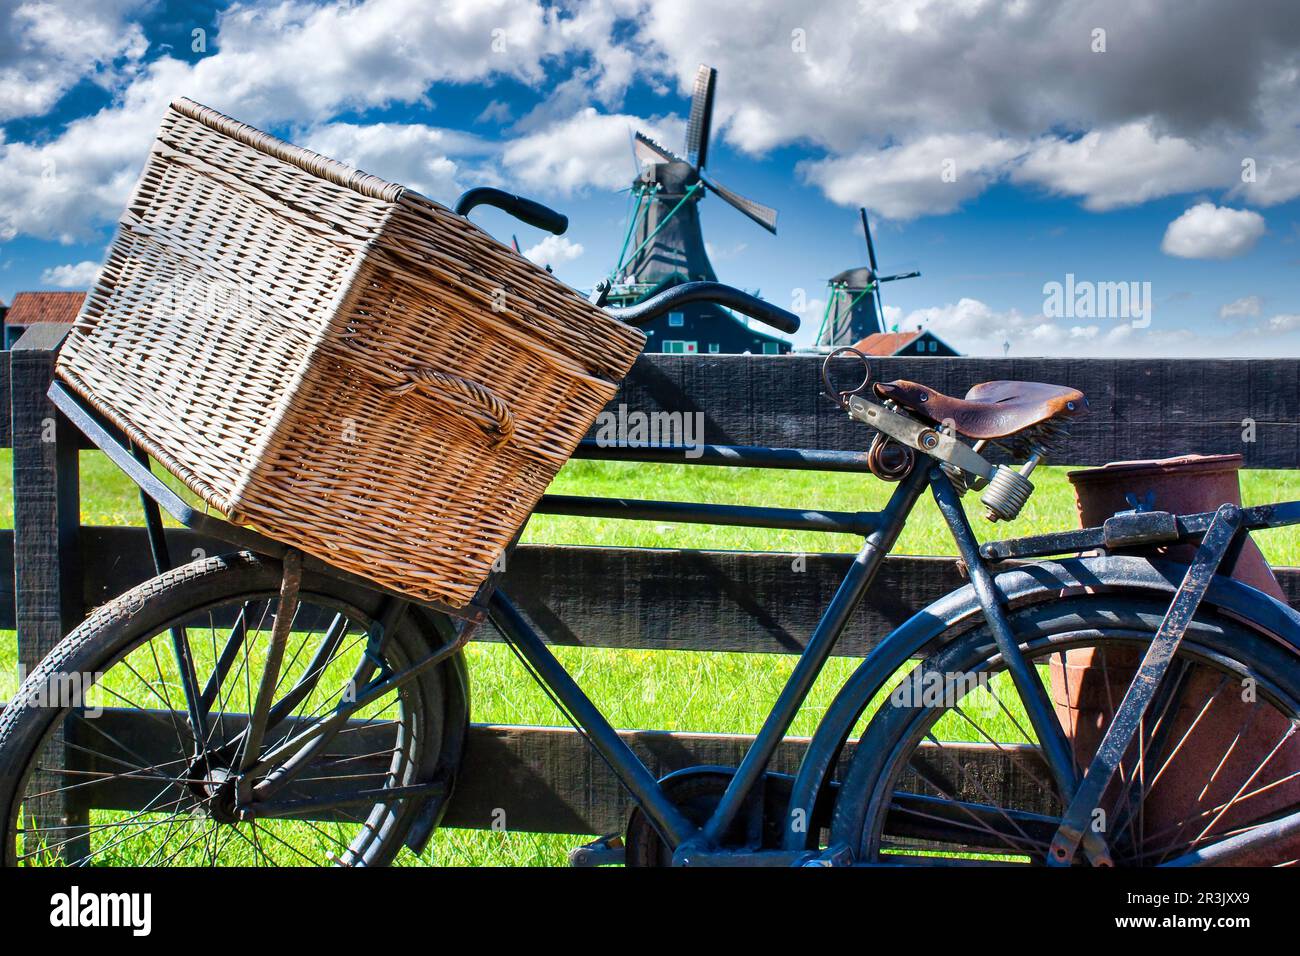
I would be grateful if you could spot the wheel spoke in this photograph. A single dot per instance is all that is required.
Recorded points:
(181, 784)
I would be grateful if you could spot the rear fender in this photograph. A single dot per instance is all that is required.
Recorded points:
(958, 611)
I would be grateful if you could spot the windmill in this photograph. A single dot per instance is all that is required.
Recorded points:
(664, 243)
(853, 308)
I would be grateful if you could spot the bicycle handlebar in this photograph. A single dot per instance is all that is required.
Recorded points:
(715, 292)
(525, 210)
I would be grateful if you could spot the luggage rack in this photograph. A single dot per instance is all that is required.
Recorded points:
(1129, 529)
(156, 495)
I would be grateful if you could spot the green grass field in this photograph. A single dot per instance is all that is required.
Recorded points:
(668, 690)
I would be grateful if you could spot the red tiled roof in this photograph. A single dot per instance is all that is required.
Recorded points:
(30, 308)
(886, 343)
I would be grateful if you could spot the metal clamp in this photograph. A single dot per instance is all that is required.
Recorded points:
(908, 431)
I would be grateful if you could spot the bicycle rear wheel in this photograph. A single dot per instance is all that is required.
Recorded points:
(949, 771)
(101, 763)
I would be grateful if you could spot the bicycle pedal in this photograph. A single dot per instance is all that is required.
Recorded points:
(606, 851)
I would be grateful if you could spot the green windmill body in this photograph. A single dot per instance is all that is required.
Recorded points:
(853, 309)
(664, 243)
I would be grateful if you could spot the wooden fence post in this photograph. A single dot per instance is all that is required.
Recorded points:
(47, 560)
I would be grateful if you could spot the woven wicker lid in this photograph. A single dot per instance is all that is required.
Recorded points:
(341, 174)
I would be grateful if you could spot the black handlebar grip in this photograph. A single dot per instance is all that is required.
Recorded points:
(525, 210)
(715, 292)
(760, 310)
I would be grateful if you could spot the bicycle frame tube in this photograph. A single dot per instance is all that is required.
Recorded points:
(675, 829)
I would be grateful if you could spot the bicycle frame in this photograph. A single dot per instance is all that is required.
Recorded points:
(1220, 534)
(881, 530)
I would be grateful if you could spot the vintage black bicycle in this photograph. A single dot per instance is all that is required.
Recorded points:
(263, 708)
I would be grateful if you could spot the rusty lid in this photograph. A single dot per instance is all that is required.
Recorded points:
(1179, 465)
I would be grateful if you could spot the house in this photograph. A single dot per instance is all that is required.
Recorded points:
(920, 342)
(31, 308)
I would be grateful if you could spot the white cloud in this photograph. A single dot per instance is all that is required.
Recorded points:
(879, 92)
(291, 63)
(1207, 231)
(1175, 112)
(1288, 322)
(910, 67)
(424, 158)
(1122, 166)
(46, 48)
(497, 111)
(929, 176)
(80, 275)
(1246, 306)
(553, 250)
(976, 328)
(589, 149)
(1275, 181)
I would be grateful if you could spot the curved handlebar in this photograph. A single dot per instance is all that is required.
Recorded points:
(715, 292)
(525, 210)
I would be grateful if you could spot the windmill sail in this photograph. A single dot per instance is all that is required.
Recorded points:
(765, 216)
(697, 127)
(853, 309)
(665, 243)
(650, 152)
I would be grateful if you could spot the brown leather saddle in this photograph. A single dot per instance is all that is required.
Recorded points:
(991, 409)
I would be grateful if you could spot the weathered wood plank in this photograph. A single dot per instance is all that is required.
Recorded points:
(530, 779)
(1140, 408)
(47, 523)
(623, 597)
(549, 780)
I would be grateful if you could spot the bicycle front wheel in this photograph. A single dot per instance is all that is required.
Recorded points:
(101, 761)
(949, 770)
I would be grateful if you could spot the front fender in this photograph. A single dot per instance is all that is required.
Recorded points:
(455, 728)
(958, 611)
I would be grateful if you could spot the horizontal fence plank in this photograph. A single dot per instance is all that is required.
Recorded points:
(529, 779)
(624, 597)
(1140, 408)
(549, 780)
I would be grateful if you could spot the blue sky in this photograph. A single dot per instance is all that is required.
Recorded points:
(1000, 146)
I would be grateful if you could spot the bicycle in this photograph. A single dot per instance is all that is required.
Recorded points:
(297, 713)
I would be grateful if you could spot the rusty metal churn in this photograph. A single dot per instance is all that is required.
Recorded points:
(1086, 690)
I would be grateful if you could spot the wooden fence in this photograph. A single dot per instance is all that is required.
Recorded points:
(655, 599)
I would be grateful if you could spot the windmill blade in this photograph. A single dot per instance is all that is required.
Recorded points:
(701, 119)
(648, 151)
(871, 256)
(871, 247)
(901, 275)
(636, 158)
(765, 216)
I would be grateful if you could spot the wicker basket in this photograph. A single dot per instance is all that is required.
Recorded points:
(335, 360)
